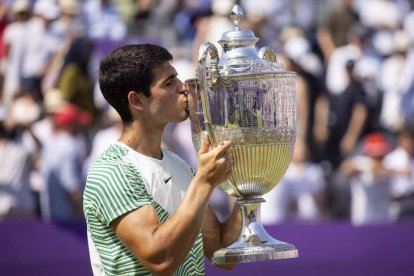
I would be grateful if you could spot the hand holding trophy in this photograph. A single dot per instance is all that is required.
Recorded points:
(248, 98)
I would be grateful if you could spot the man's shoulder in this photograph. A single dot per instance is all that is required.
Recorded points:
(108, 166)
(114, 153)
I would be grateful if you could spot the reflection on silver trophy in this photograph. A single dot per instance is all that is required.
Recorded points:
(247, 97)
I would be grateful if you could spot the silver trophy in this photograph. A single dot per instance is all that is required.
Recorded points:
(247, 97)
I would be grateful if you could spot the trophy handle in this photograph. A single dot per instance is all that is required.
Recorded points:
(267, 53)
(205, 49)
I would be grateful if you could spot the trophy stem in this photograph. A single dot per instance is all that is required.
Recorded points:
(254, 243)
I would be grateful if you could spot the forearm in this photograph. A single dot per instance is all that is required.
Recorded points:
(321, 111)
(357, 121)
(167, 244)
(325, 42)
(217, 235)
(231, 227)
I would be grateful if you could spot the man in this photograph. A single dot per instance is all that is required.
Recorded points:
(146, 213)
(16, 199)
(40, 47)
(61, 165)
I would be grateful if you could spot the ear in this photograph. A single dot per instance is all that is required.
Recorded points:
(136, 100)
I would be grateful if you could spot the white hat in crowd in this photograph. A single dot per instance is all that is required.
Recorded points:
(20, 6)
(299, 50)
(53, 101)
(69, 6)
(402, 41)
(46, 9)
(25, 110)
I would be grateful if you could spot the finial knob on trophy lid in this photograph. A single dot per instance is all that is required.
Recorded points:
(237, 16)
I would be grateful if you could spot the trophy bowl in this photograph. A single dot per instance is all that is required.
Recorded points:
(248, 98)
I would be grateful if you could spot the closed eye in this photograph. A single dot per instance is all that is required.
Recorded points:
(170, 80)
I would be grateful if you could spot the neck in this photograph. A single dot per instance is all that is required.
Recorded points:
(143, 139)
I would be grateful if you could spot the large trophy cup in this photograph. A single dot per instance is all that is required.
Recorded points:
(247, 97)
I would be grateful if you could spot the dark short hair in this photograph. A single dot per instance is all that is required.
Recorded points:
(129, 68)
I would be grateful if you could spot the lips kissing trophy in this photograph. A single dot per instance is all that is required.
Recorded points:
(247, 97)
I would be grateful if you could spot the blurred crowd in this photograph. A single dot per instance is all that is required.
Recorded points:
(354, 155)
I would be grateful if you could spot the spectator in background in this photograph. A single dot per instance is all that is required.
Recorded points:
(103, 20)
(370, 182)
(23, 112)
(65, 28)
(61, 166)
(69, 22)
(343, 125)
(400, 162)
(74, 80)
(347, 116)
(14, 43)
(44, 130)
(408, 97)
(393, 84)
(333, 33)
(16, 199)
(357, 47)
(40, 47)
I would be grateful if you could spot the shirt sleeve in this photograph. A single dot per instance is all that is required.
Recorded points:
(114, 189)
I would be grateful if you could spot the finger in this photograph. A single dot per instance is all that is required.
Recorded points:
(224, 146)
(205, 146)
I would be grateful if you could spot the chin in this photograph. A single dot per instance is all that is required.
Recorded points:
(180, 118)
(185, 117)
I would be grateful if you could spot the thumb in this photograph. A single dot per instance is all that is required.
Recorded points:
(205, 146)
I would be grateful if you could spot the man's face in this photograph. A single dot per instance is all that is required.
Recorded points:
(168, 100)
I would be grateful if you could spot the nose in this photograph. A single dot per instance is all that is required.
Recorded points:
(183, 89)
(191, 85)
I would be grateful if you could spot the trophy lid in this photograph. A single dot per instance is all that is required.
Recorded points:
(239, 52)
(237, 38)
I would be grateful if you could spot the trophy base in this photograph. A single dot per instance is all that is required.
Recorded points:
(256, 253)
(254, 243)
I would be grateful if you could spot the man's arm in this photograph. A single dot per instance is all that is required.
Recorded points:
(320, 129)
(354, 130)
(163, 247)
(217, 235)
